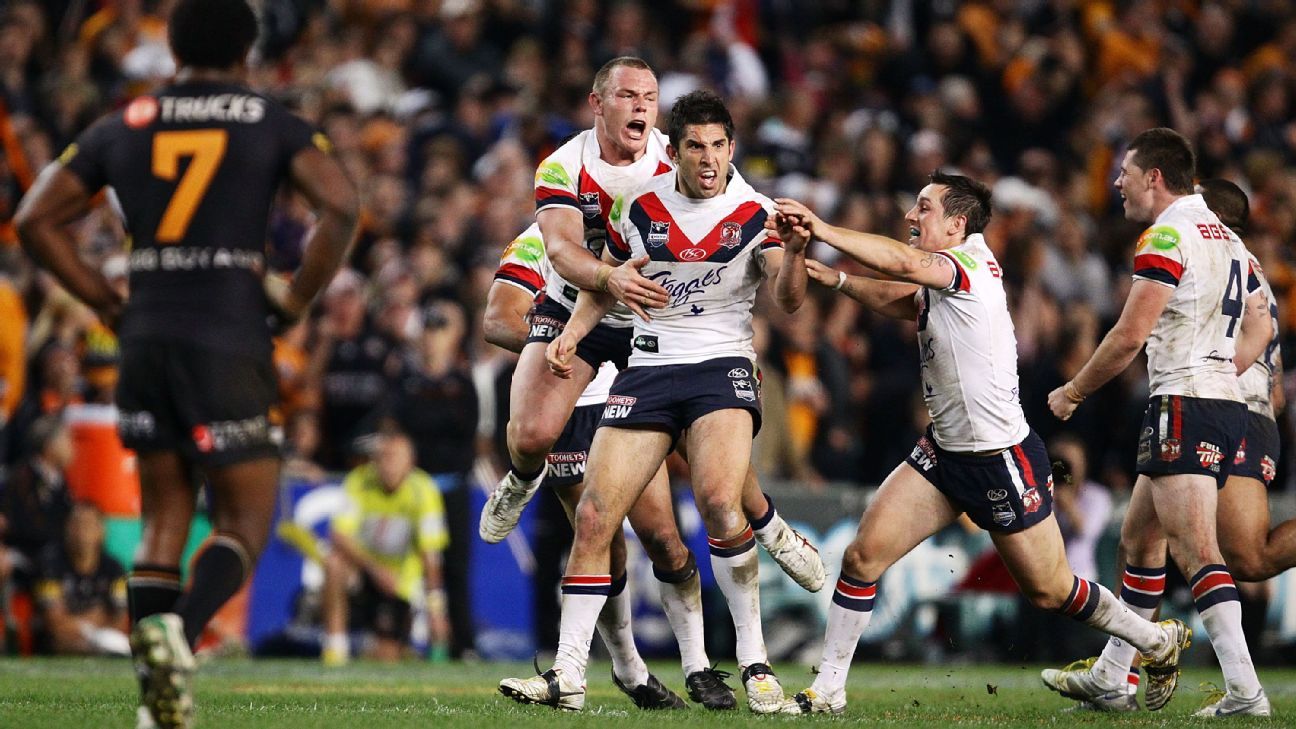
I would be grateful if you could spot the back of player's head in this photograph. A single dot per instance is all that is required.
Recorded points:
(211, 33)
(967, 197)
(603, 78)
(697, 107)
(1169, 151)
(1227, 201)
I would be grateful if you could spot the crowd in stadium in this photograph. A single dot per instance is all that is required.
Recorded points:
(440, 112)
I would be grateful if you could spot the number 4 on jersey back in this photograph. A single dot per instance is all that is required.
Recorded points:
(206, 148)
(1232, 306)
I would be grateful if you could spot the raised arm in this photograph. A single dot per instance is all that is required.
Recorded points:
(1147, 299)
(890, 298)
(878, 252)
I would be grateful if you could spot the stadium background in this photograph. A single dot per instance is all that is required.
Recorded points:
(441, 110)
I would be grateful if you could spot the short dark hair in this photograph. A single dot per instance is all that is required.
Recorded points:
(1228, 202)
(697, 107)
(604, 73)
(1169, 151)
(967, 197)
(211, 33)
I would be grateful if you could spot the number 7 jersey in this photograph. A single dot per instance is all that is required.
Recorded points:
(1190, 351)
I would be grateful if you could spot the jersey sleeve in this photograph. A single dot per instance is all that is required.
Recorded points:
(766, 239)
(87, 156)
(1159, 255)
(520, 263)
(620, 227)
(1254, 274)
(432, 533)
(961, 263)
(296, 134)
(556, 178)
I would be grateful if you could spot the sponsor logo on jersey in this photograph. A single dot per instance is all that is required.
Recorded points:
(1213, 231)
(1268, 469)
(730, 235)
(645, 343)
(692, 254)
(545, 327)
(527, 249)
(658, 232)
(739, 372)
(189, 258)
(1240, 458)
(1210, 455)
(240, 108)
(136, 424)
(618, 406)
(681, 291)
(141, 112)
(552, 173)
(1031, 500)
(968, 261)
(743, 389)
(923, 454)
(1170, 449)
(566, 465)
(1003, 514)
(224, 435)
(997, 494)
(1160, 237)
(589, 204)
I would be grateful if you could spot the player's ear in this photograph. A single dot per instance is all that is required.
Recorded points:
(596, 104)
(672, 153)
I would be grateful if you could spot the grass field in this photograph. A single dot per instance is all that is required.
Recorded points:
(74, 693)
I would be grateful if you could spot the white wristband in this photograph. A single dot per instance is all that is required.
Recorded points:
(841, 281)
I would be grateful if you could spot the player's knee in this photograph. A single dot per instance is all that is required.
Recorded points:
(664, 548)
(859, 564)
(592, 522)
(1247, 565)
(532, 437)
(1043, 598)
(721, 515)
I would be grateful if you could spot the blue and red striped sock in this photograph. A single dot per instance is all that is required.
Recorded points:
(583, 597)
(848, 616)
(1216, 597)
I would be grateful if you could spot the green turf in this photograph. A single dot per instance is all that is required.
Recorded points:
(73, 693)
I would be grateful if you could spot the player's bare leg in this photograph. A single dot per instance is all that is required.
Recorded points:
(629, 672)
(335, 609)
(1253, 551)
(622, 462)
(1185, 504)
(719, 446)
(540, 404)
(905, 511)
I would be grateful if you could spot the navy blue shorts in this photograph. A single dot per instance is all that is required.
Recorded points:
(1190, 435)
(671, 397)
(571, 452)
(1005, 492)
(1257, 456)
(602, 344)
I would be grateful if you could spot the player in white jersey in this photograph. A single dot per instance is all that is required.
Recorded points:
(979, 456)
(577, 188)
(507, 323)
(711, 398)
(1186, 303)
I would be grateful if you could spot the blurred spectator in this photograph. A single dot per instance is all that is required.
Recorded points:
(81, 591)
(435, 402)
(387, 544)
(34, 502)
(1083, 506)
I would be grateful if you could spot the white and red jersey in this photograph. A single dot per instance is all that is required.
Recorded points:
(576, 176)
(968, 355)
(1257, 382)
(525, 266)
(1190, 350)
(707, 254)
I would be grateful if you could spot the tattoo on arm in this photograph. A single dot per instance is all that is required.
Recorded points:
(929, 260)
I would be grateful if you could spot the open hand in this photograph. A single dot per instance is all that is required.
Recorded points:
(636, 292)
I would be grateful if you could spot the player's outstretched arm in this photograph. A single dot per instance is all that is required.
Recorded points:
(890, 298)
(878, 252)
(57, 198)
(326, 187)
(504, 323)
(1147, 299)
(563, 232)
(789, 263)
(1257, 331)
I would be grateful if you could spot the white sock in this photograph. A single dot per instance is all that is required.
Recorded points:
(848, 616)
(734, 562)
(1141, 589)
(681, 594)
(614, 627)
(583, 597)
(768, 527)
(1094, 605)
(337, 643)
(1217, 602)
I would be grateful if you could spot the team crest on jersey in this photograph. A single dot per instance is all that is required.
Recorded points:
(1268, 469)
(141, 112)
(1210, 455)
(1031, 500)
(743, 390)
(1002, 514)
(730, 235)
(692, 255)
(1170, 449)
(658, 232)
(590, 205)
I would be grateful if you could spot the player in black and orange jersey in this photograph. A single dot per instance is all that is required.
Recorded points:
(194, 169)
